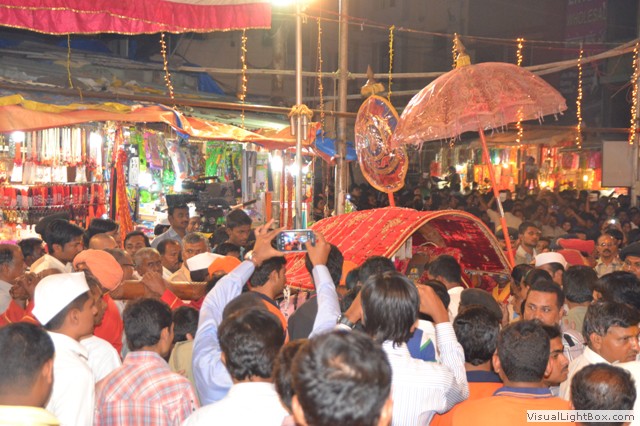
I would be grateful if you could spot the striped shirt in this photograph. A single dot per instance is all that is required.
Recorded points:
(420, 389)
(144, 391)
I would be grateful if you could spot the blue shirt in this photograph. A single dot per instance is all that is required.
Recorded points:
(211, 376)
(171, 234)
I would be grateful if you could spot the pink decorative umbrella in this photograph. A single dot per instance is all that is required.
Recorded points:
(475, 98)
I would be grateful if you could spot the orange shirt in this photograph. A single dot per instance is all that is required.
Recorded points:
(111, 327)
(482, 384)
(15, 313)
(508, 407)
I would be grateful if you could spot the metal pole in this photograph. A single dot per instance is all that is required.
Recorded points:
(635, 184)
(298, 124)
(343, 80)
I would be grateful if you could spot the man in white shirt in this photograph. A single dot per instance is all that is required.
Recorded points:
(611, 330)
(446, 269)
(179, 220)
(63, 304)
(64, 241)
(388, 305)
(103, 357)
(250, 339)
(11, 267)
(528, 234)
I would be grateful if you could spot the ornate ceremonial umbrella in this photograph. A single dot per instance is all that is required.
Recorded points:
(475, 98)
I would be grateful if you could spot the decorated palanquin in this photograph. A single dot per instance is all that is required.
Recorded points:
(386, 232)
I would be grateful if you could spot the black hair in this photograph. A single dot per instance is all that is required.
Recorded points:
(341, 378)
(261, 274)
(442, 293)
(100, 226)
(118, 254)
(390, 305)
(477, 330)
(536, 275)
(247, 300)
(375, 265)
(525, 225)
(144, 320)
(282, 374)
(621, 287)
(578, 282)
(601, 316)
(199, 275)
(615, 233)
(162, 245)
(237, 218)
(224, 249)
(173, 207)
(603, 387)
(334, 264)
(554, 267)
(523, 350)
(447, 267)
(160, 229)
(185, 321)
(553, 331)
(519, 272)
(351, 280)
(28, 246)
(6, 254)
(347, 300)
(212, 282)
(137, 234)
(24, 349)
(250, 340)
(58, 320)
(61, 232)
(547, 286)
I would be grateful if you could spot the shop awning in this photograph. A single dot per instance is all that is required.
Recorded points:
(542, 136)
(20, 113)
(134, 16)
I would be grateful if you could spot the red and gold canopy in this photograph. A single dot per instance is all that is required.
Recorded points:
(134, 16)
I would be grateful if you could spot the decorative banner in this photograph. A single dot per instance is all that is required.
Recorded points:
(383, 167)
(134, 17)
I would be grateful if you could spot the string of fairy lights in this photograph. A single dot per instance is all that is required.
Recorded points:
(391, 29)
(165, 64)
(579, 102)
(633, 127)
(520, 129)
(320, 85)
(454, 51)
(243, 79)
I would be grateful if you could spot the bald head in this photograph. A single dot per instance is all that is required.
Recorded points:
(102, 242)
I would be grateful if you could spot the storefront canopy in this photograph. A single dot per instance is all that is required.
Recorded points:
(134, 16)
(20, 113)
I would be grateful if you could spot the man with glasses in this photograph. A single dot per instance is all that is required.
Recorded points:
(630, 255)
(608, 260)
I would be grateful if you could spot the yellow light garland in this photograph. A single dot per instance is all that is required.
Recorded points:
(633, 127)
(165, 62)
(454, 50)
(393, 27)
(320, 86)
(243, 58)
(69, 60)
(519, 127)
(579, 102)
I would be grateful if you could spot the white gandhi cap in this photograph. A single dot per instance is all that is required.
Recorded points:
(54, 292)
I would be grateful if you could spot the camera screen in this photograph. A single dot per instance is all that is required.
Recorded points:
(293, 240)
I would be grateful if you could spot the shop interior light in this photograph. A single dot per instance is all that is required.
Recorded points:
(543, 184)
(585, 178)
(292, 169)
(305, 169)
(95, 140)
(459, 167)
(17, 137)
(276, 162)
(145, 180)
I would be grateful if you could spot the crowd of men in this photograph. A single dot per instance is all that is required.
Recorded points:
(379, 349)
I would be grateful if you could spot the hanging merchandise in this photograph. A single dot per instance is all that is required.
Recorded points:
(177, 158)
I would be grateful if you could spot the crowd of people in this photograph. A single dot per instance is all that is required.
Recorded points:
(368, 347)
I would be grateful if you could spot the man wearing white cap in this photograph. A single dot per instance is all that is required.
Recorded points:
(62, 303)
(199, 265)
(192, 245)
(552, 262)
